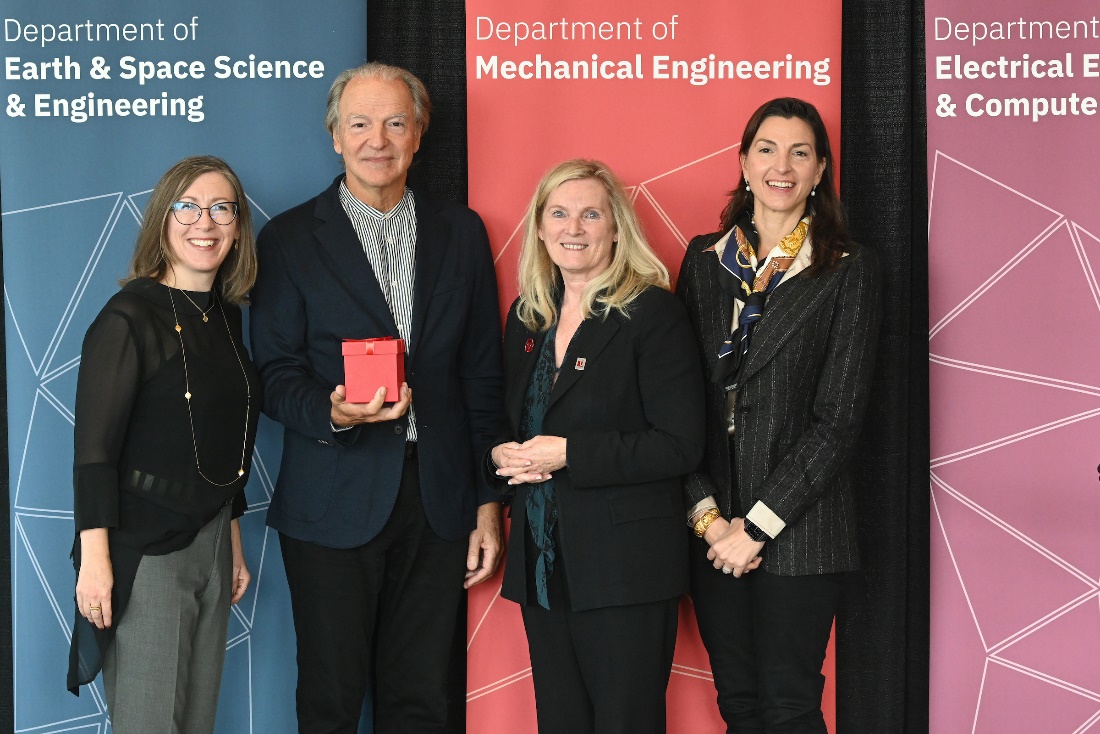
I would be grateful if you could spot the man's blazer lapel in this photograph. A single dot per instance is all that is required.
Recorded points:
(784, 314)
(348, 263)
(432, 237)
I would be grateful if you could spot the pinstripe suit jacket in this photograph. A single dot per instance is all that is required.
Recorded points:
(798, 412)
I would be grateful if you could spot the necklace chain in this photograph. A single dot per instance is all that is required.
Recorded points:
(201, 312)
(187, 384)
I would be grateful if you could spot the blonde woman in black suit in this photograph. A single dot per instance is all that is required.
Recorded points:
(786, 311)
(603, 390)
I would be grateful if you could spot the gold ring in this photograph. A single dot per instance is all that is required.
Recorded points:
(94, 609)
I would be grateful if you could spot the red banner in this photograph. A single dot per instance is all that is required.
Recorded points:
(660, 91)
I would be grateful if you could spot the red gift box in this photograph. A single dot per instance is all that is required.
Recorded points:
(373, 363)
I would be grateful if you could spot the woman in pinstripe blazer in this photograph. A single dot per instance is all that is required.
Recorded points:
(786, 312)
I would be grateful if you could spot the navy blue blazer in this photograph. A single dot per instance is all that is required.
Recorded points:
(315, 288)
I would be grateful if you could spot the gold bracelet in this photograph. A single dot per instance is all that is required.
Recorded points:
(704, 522)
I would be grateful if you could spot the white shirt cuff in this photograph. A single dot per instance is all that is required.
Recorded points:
(706, 504)
(765, 519)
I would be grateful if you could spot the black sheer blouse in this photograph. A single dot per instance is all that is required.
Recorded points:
(139, 448)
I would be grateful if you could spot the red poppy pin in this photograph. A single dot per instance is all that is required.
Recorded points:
(580, 363)
(529, 345)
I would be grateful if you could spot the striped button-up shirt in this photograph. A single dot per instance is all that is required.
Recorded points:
(389, 242)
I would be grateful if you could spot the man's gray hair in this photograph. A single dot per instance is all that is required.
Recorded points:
(422, 104)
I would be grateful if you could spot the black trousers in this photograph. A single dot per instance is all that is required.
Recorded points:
(766, 636)
(383, 615)
(602, 670)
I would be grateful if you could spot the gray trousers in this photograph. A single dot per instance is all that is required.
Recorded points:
(162, 674)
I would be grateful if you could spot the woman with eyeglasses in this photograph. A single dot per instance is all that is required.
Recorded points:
(166, 409)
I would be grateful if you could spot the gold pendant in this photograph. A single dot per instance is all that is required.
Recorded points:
(179, 329)
(240, 472)
(204, 319)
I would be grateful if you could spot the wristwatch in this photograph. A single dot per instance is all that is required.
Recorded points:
(753, 531)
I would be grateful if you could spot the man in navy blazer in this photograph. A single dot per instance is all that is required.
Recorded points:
(383, 514)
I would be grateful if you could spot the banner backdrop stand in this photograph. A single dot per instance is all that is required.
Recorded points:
(98, 103)
(1014, 313)
(643, 87)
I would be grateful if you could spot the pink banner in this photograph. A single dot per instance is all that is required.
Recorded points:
(1014, 312)
(660, 91)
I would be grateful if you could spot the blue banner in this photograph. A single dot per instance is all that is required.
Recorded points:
(99, 100)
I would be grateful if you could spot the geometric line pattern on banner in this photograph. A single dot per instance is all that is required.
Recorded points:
(36, 604)
(658, 217)
(981, 224)
(700, 673)
(995, 327)
(1039, 654)
(485, 690)
(1012, 438)
(40, 423)
(1014, 700)
(1016, 408)
(48, 224)
(1001, 653)
(500, 619)
(1062, 584)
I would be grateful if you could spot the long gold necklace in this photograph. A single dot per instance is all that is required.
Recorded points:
(201, 312)
(187, 386)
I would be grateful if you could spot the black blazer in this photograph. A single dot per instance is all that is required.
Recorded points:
(798, 412)
(315, 288)
(633, 418)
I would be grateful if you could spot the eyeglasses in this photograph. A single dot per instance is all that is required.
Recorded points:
(187, 212)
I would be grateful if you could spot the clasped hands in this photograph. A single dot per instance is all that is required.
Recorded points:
(732, 548)
(530, 462)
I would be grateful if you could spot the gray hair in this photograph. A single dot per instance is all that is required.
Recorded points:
(422, 104)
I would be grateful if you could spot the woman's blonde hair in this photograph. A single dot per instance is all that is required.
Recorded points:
(152, 253)
(634, 266)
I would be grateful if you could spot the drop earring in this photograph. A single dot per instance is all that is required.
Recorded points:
(747, 186)
(813, 191)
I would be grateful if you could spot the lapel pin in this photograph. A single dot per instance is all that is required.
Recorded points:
(529, 345)
(580, 363)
